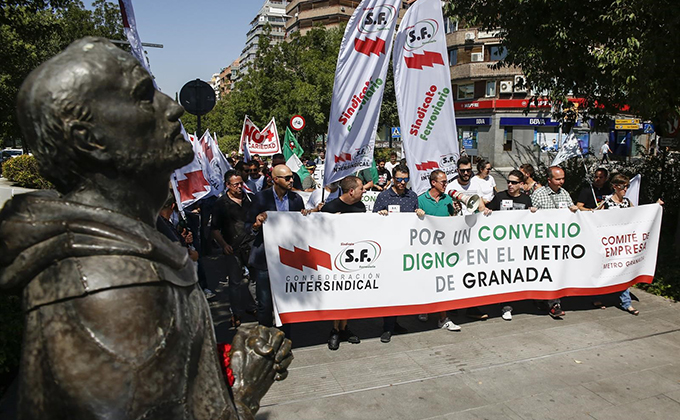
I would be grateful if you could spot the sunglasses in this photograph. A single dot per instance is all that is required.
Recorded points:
(464, 170)
(287, 177)
(253, 171)
(622, 187)
(236, 184)
(443, 182)
(397, 179)
(514, 182)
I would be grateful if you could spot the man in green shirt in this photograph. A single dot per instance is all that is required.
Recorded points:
(435, 203)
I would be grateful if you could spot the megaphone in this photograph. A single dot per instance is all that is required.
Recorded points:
(471, 201)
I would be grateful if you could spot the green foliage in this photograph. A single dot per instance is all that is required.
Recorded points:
(23, 170)
(294, 77)
(610, 52)
(31, 31)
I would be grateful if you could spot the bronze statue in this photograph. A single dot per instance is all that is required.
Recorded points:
(116, 326)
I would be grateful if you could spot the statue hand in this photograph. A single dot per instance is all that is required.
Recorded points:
(259, 356)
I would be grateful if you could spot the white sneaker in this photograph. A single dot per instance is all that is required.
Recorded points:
(447, 324)
(507, 315)
(422, 317)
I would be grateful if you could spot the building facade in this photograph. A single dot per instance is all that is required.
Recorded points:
(272, 12)
(304, 14)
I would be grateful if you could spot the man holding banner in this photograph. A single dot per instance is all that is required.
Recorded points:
(348, 202)
(278, 198)
(553, 196)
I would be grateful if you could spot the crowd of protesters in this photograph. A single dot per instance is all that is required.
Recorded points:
(232, 223)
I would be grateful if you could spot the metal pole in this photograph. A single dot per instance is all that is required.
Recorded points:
(198, 118)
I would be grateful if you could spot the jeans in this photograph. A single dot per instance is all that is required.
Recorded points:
(625, 299)
(239, 295)
(263, 291)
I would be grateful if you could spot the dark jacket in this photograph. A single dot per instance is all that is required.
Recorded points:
(262, 202)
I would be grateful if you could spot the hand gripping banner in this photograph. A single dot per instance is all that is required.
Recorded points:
(367, 265)
(422, 83)
(358, 88)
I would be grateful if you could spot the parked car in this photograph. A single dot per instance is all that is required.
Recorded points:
(7, 154)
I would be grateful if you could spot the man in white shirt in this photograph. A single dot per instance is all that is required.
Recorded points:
(392, 163)
(466, 183)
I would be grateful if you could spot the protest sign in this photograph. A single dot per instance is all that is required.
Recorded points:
(264, 143)
(367, 265)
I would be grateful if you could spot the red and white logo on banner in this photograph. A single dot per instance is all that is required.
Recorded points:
(264, 142)
(358, 88)
(422, 83)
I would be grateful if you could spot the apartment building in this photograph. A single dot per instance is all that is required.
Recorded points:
(304, 14)
(272, 12)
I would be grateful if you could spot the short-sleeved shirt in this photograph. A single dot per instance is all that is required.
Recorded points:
(339, 206)
(230, 219)
(487, 186)
(472, 187)
(586, 195)
(546, 198)
(365, 175)
(432, 207)
(384, 177)
(408, 202)
(611, 204)
(504, 201)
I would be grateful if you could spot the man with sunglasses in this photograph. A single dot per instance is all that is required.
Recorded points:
(467, 184)
(396, 199)
(511, 199)
(232, 233)
(600, 189)
(278, 198)
(255, 182)
(435, 202)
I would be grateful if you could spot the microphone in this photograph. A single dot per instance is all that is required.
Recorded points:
(471, 201)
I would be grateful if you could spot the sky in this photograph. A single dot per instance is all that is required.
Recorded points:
(199, 37)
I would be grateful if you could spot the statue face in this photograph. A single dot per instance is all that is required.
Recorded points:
(138, 124)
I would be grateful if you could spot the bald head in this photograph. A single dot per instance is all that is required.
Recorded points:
(281, 170)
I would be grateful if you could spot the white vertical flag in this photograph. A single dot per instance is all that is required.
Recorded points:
(422, 83)
(130, 29)
(633, 193)
(213, 162)
(358, 88)
(188, 183)
(569, 149)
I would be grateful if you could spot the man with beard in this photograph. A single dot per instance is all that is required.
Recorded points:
(278, 198)
(600, 189)
(115, 324)
(467, 184)
(396, 199)
(230, 232)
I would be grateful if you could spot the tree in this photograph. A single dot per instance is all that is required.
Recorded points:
(613, 53)
(32, 31)
(293, 77)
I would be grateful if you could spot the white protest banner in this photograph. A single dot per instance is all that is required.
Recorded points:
(367, 265)
(130, 28)
(358, 88)
(213, 162)
(189, 184)
(263, 143)
(422, 83)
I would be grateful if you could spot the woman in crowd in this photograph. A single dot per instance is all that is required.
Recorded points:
(487, 183)
(530, 184)
(620, 183)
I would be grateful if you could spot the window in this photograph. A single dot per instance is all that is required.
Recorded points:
(490, 89)
(496, 52)
(450, 25)
(507, 139)
(453, 57)
(466, 91)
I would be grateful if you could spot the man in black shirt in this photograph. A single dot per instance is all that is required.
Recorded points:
(234, 238)
(512, 198)
(348, 202)
(601, 188)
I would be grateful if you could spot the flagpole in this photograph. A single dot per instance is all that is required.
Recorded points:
(588, 177)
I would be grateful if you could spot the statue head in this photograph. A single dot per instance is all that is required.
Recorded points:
(93, 109)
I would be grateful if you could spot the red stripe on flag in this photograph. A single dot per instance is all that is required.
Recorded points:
(123, 12)
(329, 315)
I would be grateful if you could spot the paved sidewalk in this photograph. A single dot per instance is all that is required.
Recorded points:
(7, 191)
(593, 364)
